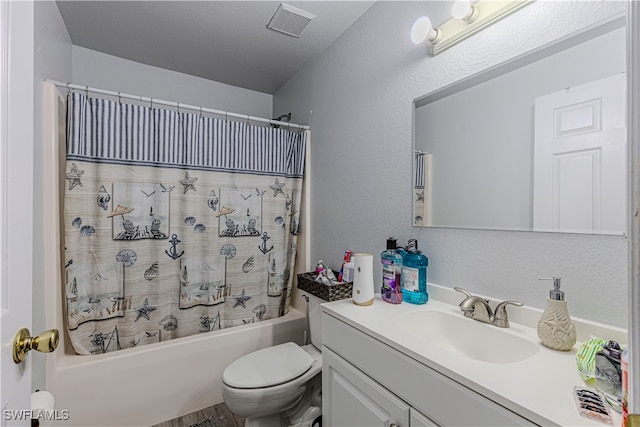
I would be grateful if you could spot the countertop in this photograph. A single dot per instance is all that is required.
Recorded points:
(538, 388)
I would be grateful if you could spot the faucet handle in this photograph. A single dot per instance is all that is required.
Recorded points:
(466, 305)
(500, 318)
(464, 291)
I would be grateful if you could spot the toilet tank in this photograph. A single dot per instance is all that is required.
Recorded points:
(315, 320)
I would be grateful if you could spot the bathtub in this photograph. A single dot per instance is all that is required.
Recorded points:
(157, 382)
(147, 385)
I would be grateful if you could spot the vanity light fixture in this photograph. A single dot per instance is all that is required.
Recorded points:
(423, 30)
(468, 18)
(463, 9)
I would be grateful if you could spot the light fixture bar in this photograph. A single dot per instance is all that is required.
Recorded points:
(488, 12)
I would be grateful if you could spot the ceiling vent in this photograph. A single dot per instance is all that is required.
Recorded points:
(290, 20)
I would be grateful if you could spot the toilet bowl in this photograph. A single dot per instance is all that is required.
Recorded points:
(279, 385)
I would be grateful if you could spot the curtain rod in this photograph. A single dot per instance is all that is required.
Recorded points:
(176, 104)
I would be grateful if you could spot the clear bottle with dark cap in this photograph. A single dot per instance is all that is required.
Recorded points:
(391, 289)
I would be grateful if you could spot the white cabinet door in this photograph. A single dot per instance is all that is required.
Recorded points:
(350, 398)
(419, 420)
(580, 170)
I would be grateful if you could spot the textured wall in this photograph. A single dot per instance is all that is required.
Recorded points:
(357, 96)
(103, 71)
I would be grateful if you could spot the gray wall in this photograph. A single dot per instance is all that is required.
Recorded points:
(357, 96)
(109, 72)
(52, 60)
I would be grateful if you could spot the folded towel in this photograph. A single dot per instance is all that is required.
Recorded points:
(586, 357)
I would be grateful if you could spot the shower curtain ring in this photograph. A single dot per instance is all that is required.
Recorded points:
(200, 111)
(151, 103)
(178, 105)
(86, 91)
(68, 89)
(119, 98)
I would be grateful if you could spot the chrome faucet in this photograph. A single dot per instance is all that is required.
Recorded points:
(478, 308)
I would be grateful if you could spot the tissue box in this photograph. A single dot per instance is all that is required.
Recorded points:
(335, 292)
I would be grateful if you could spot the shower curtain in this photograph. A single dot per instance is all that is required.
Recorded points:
(174, 223)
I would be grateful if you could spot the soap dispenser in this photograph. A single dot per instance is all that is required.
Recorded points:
(555, 328)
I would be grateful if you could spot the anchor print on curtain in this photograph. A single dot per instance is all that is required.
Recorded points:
(175, 223)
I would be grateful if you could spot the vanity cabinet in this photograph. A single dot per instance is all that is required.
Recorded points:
(416, 419)
(354, 399)
(367, 382)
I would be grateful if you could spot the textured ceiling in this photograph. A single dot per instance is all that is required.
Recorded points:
(225, 41)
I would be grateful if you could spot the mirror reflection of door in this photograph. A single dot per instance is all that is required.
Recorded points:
(580, 145)
(480, 132)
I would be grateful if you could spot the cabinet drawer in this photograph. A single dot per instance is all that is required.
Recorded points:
(350, 398)
(442, 399)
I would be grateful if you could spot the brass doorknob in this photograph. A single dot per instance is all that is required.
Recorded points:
(46, 342)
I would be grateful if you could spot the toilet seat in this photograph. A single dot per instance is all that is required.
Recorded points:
(268, 367)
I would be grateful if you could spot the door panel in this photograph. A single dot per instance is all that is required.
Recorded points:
(16, 201)
(580, 173)
(419, 420)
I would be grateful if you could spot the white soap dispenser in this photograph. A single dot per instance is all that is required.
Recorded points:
(555, 328)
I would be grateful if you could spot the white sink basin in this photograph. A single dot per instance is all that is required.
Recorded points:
(473, 339)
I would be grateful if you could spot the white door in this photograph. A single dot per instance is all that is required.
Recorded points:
(580, 161)
(16, 201)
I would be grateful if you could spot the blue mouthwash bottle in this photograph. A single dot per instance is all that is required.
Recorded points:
(414, 274)
(401, 251)
(391, 273)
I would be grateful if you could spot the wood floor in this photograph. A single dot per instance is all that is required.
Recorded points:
(214, 416)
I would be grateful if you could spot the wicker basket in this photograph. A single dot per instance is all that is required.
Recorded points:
(322, 291)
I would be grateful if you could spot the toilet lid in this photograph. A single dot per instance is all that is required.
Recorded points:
(268, 367)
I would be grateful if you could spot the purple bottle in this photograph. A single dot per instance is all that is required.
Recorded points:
(391, 273)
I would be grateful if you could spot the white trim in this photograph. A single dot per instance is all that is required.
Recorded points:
(4, 90)
(633, 129)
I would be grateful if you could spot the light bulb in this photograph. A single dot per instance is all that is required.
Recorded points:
(422, 30)
(463, 9)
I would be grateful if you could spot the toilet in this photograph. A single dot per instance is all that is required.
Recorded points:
(279, 385)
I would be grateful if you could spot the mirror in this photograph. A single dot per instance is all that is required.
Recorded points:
(535, 144)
